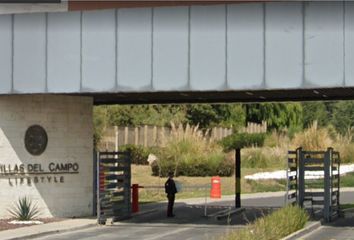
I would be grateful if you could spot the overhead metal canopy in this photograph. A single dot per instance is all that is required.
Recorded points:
(225, 96)
(235, 52)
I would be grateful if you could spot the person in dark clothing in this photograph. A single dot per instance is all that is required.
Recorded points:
(171, 190)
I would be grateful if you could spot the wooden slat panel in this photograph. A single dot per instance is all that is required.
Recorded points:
(317, 202)
(292, 195)
(314, 160)
(314, 194)
(313, 152)
(314, 168)
(291, 160)
(114, 160)
(114, 169)
(292, 178)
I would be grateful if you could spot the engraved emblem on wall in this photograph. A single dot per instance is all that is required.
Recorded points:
(36, 140)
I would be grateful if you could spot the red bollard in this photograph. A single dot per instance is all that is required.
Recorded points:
(215, 191)
(135, 198)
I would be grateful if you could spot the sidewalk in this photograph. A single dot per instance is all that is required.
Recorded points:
(43, 229)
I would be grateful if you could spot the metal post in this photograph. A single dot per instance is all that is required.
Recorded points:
(116, 142)
(327, 185)
(98, 206)
(338, 187)
(301, 175)
(286, 198)
(94, 182)
(206, 197)
(238, 178)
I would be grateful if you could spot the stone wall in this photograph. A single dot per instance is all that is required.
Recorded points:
(59, 190)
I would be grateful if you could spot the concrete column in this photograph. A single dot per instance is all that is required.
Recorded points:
(48, 179)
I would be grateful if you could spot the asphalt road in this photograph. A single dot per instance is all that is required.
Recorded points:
(145, 231)
(190, 222)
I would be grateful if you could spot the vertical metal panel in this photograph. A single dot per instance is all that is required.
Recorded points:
(64, 52)
(134, 48)
(207, 46)
(283, 45)
(5, 53)
(245, 46)
(98, 51)
(349, 43)
(324, 44)
(29, 53)
(170, 48)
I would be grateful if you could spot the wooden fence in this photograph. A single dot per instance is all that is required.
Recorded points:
(149, 136)
(255, 127)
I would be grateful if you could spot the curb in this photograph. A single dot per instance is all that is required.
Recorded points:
(302, 232)
(45, 233)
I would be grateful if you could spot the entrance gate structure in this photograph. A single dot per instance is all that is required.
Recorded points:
(319, 194)
(113, 180)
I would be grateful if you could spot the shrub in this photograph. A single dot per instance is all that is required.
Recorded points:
(277, 225)
(241, 140)
(277, 139)
(345, 146)
(24, 210)
(265, 157)
(139, 154)
(313, 139)
(189, 152)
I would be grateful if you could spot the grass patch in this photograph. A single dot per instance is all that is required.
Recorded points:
(346, 206)
(345, 181)
(142, 175)
(274, 226)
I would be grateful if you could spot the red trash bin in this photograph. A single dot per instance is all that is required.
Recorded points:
(215, 191)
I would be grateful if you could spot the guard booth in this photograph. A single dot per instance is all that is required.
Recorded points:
(321, 196)
(113, 181)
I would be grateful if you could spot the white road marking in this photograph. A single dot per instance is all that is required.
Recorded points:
(169, 233)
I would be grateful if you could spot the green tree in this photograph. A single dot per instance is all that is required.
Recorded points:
(343, 116)
(134, 115)
(203, 115)
(277, 115)
(315, 111)
(99, 123)
(210, 115)
(235, 116)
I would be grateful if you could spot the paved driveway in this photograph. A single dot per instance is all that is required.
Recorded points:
(189, 223)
